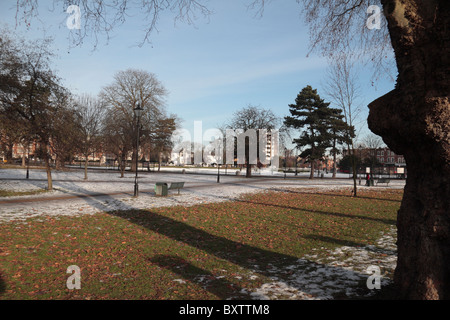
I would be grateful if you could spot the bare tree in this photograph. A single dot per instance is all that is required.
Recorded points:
(115, 141)
(253, 117)
(371, 142)
(12, 128)
(91, 114)
(99, 18)
(32, 93)
(64, 138)
(341, 86)
(159, 140)
(11, 132)
(130, 88)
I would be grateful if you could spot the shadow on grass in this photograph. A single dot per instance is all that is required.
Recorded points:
(2, 284)
(300, 274)
(250, 257)
(350, 244)
(337, 214)
(328, 213)
(338, 195)
(220, 287)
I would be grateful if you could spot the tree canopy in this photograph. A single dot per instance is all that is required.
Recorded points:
(319, 125)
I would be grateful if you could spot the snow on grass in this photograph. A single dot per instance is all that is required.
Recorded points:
(321, 275)
(343, 272)
(199, 188)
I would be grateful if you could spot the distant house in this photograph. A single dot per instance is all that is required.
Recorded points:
(20, 151)
(387, 161)
(387, 157)
(384, 156)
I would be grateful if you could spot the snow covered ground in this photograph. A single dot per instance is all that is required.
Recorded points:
(315, 278)
(105, 191)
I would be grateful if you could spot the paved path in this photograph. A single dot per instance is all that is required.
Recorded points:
(106, 191)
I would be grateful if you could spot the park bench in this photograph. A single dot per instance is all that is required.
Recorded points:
(162, 188)
(176, 185)
(383, 180)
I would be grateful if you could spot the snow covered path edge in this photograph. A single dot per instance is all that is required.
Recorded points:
(342, 271)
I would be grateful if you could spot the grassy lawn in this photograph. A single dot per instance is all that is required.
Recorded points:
(210, 251)
(9, 193)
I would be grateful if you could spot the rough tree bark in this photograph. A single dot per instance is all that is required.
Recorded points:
(414, 120)
(48, 168)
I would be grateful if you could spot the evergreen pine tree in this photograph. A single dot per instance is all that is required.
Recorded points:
(320, 125)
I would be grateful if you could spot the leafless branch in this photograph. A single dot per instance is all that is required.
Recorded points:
(101, 17)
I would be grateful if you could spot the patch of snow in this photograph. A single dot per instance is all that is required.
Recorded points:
(313, 277)
(324, 278)
(199, 188)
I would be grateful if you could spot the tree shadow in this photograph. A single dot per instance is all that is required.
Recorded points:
(220, 287)
(2, 285)
(349, 243)
(308, 275)
(328, 213)
(98, 200)
(299, 274)
(334, 194)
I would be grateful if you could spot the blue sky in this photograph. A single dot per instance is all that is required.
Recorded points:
(211, 69)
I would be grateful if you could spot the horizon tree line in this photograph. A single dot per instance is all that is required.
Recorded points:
(36, 107)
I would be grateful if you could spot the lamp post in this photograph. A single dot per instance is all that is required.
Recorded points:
(137, 113)
(360, 162)
(28, 160)
(218, 165)
(285, 162)
(296, 159)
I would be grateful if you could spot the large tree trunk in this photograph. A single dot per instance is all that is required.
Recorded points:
(9, 152)
(122, 166)
(414, 120)
(311, 173)
(86, 162)
(48, 167)
(248, 170)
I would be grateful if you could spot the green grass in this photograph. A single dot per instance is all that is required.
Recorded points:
(9, 193)
(209, 251)
(19, 166)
